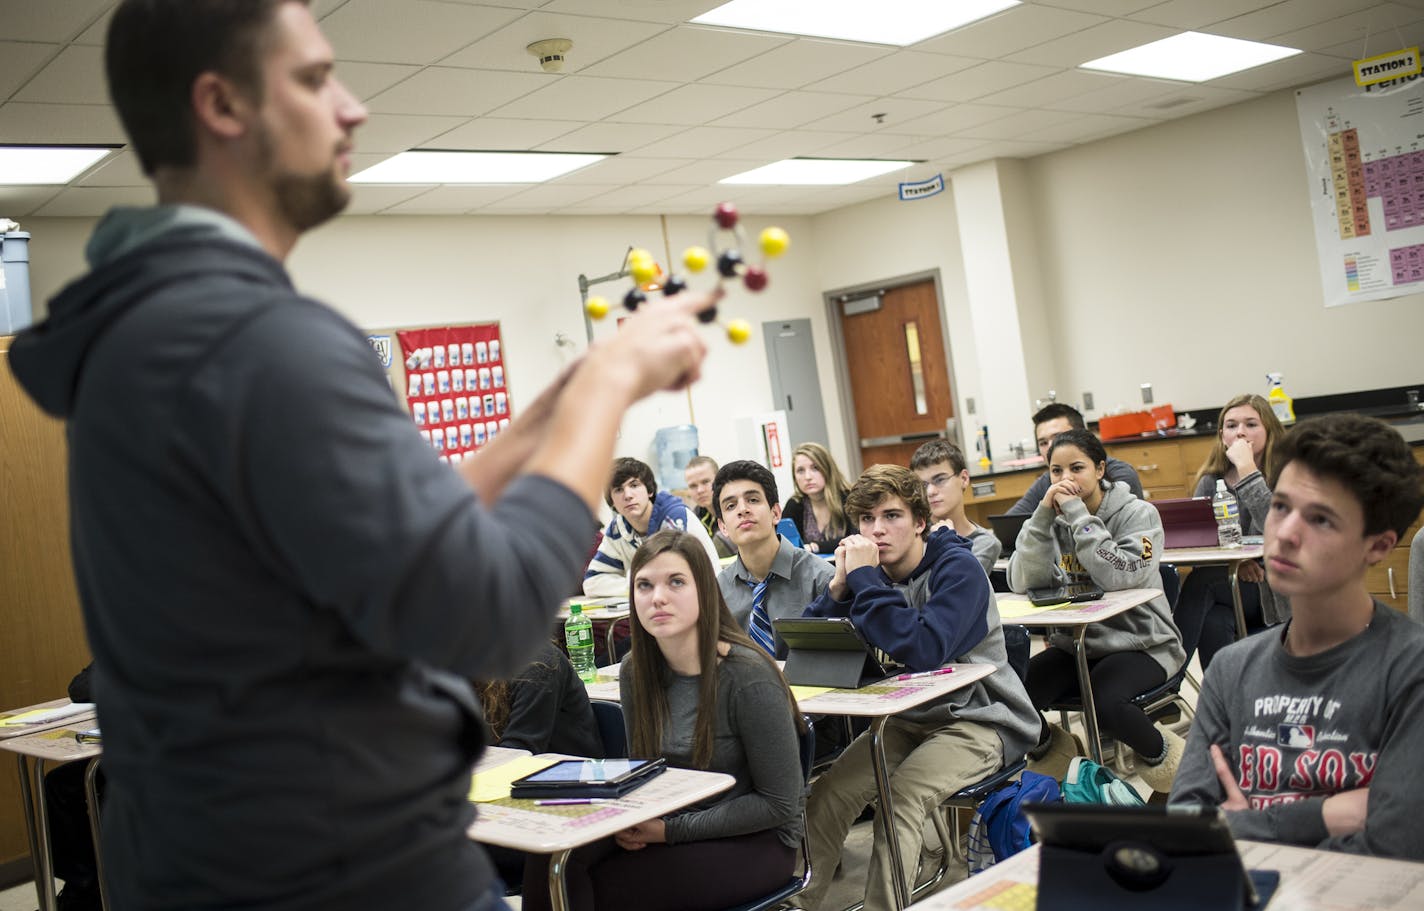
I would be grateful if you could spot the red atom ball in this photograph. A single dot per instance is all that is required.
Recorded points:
(755, 278)
(726, 216)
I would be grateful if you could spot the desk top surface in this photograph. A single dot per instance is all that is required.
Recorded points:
(56, 713)
(60, 744)
(526, 826)
(598, 608)
(1190, 556)
(1012, 609)
(1310, 881)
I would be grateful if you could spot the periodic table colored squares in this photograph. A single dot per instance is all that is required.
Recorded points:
(1406, 264)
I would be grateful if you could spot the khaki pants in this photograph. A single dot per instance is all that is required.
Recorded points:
(927, 763)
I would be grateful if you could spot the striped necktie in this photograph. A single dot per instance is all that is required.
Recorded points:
(760, 625)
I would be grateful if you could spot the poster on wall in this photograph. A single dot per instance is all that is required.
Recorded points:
(1364, 152)
(455, 386)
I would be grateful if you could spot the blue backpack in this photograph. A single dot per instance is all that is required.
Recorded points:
(1000, 829)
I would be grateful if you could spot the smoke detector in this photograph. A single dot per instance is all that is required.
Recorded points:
(550, 52)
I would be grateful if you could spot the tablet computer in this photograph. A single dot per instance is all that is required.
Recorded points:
(828, 651)
(1163, 857)
(587, 778)
(1061, 594)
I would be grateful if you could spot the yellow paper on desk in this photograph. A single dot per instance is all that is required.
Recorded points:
(22, 718)
(802, 693)
(1013, 608)
(494, 784)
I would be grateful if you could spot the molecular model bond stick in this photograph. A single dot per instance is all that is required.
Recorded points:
(728, 260)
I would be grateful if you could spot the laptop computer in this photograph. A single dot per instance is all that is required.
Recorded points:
(1006, 529)
(1187, 522)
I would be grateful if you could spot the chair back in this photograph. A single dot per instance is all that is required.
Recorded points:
(787, 529)
(1416, 576)
(611, 728)
(1171, 584)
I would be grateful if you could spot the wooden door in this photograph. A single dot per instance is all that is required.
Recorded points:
(898, 370)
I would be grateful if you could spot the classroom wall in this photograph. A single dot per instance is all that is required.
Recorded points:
(1183, 255)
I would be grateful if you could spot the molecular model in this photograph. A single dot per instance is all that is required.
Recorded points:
(729, 264)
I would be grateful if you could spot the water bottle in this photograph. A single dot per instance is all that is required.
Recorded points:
(578, 636)
(1228, 516)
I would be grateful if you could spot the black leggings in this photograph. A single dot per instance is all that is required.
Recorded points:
(697, 876)
(1116, 679)
(1206, 616)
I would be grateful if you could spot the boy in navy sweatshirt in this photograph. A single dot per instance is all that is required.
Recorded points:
(1310, 734)
(923, 599)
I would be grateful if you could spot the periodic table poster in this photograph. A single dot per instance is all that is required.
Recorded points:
(1364, 150)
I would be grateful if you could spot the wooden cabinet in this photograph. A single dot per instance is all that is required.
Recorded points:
(1158, 464)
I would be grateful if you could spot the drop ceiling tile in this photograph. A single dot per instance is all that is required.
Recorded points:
(703, 173)
(1194, 14)
(457, 92)
(959, 117)
(1012, 30)
(894, 73)
(626, 199)
(19, 60)
(49, 20)
(391, 133)
(622, 169)
(556, 195)
(594, 40)
(1091, 43)
(1184, 100)
(902, 115)
(500, 134)
(1013, 148)
(985, 79)
(1410, 34)
(1100, 7)
(366, 80)
(1381, 28)
(698, 103)
(1018, 125)
(943, 147)
(1289, 73)
(98, 33)
(91, 201)
(76, 76)
(798, 63)
(584, 98)
(790, 109)
(690, 51)
(409, 31)
(118, 170)
(1119, 92)
(650, 10)
(1044, 92)
(871, 145)
(452, 200)
(78, 123)
(1287, 16)
(610, 136)
(17, 202)
(699, 142)
(793, 144)
(1085, 127)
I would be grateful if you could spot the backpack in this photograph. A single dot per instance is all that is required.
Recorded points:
(1088, 782)
(999, 829)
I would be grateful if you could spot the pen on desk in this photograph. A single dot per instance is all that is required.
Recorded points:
(938, 672)
(569, 801)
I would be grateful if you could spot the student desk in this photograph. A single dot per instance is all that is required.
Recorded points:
(1310, 881)
(51, 742)
(614, 610)
(524, 826)
(1077, 617)
(879, 701)
(1232, 557)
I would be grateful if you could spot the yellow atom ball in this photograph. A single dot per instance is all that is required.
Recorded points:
(696, 258)
(644, 270)
(739, 331)
(596, 308)
(774, 241)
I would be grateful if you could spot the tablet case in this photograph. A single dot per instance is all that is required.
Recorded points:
(827, 651)
(523, 789)
(1102, 858)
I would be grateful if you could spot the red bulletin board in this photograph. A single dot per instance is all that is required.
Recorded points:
(456, 386)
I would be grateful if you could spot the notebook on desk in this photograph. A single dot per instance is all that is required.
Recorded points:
(1006, 529)
(1187, 522)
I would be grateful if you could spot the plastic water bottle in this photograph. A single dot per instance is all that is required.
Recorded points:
(578, 636)
(1228, 516)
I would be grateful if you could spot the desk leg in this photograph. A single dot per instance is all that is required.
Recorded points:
(609, 639)
(1085, 692)
(37, 827)
(91, 797)
(1231, 573)
(558, 888)
(885, 816)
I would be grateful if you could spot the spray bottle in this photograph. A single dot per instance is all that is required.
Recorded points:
(1281, 403)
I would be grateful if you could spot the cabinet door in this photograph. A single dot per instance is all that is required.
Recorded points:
(1158, 466)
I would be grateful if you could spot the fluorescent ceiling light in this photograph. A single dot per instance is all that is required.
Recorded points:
(898, 22)
(38, 165)
(816, 172)
(474, 167)
(1191, 57)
